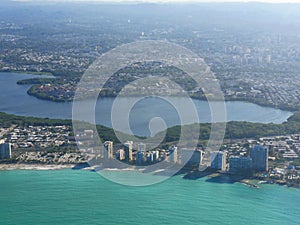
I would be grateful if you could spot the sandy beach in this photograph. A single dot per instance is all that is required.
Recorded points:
(24, 166)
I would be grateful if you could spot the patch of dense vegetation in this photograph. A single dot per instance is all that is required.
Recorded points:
(240, 130)
(234, 130)
(7, 120)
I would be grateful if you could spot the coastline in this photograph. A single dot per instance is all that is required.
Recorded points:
(192, 175)
(35, 166)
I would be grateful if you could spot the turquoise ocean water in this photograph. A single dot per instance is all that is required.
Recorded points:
(84, 197)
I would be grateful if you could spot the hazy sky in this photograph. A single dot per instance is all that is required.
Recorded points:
(269, 1)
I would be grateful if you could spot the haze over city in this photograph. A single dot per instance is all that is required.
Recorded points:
(166, 1)
(149, 112)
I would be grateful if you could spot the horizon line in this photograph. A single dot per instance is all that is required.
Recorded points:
(163, 1)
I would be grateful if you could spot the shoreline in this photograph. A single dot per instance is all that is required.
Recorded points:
(283, 107)
(251, 101)
(27, 72)
(34, 166)
(250, 182)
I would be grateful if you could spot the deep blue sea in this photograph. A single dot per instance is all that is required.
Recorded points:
(84, 197)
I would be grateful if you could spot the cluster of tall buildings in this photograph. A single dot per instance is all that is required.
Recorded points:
(257, 160)
(127, 154)
(197, 158)
(141, 156)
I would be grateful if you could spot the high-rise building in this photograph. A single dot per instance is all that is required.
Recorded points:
(196, 157)
(120, 154)
(259, 155)
(139, 158)
(149, 157)
(108, 150)
(5, 151)
(155, 155)
(240, 164)
(218, 160)
(128, 150)
(141, 147)
(173, 157)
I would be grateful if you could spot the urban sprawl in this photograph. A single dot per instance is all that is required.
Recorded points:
(269, 158)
